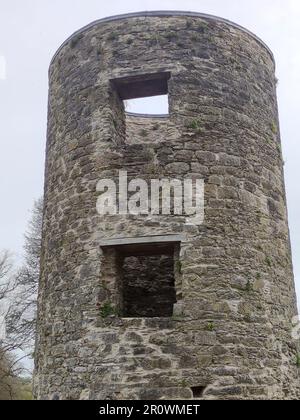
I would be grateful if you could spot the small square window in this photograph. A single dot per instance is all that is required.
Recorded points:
(144, 94)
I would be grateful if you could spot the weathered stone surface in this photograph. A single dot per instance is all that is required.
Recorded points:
(231, 328)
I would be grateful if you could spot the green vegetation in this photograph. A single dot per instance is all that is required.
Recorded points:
(25, 389)
(248, 286)
(143, 133)
(210, 326)
(171, 36)
(75, 40)
(107, 310)
(194, 125)
(112, 36)
(202, 26)
(179, 266)
(268, 261)
(177, 317)
(274, 127)
(156, 38)
(247, 318)
(183, 383)
(12, 385)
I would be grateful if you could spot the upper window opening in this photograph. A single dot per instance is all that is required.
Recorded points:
(155, 105)
(144, 94)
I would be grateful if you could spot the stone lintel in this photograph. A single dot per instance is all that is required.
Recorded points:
(141, 240)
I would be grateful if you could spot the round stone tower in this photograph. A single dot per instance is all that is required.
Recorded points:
(151, 306)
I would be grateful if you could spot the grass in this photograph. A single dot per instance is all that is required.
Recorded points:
(156, 39)
(171, 36)
(107, 310)
(274, 127)
(112, 36)
(202, 26)
(248, 286)
(194, 125)
(177, 317)
(143, 133)
(179, 266)
(210, 326)
(247, 318)
(74, 41)
(268, 262)
(183, 383)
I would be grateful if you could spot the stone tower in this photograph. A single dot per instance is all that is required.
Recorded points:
(150, 306)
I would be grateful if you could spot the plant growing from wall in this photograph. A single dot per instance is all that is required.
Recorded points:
(194, 125)
(248, 286)
(274, 127)
(107, 310)
(112, 36)
(268, 262)
(210, 326)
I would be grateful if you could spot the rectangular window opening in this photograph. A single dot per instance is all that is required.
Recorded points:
(198, 391)
(144, 94)
(148, 286)
(143, 278)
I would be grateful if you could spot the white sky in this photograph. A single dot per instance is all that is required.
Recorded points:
(32, 30)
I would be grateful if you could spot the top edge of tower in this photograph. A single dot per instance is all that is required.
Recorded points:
(163, 13)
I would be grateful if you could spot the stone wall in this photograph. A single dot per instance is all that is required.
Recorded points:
(231, 328)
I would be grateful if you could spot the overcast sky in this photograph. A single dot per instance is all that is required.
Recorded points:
(30, 33)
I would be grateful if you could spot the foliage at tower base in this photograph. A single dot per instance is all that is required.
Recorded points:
(18, 297)
(12, 385)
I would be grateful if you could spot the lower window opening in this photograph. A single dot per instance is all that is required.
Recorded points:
(148, 286)
(198, 391)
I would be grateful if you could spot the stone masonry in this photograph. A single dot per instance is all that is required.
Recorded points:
(209, 316)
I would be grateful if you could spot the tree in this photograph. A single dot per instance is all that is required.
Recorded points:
(21, 316)
(9, 366)
(8, 379)
(18, 295)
